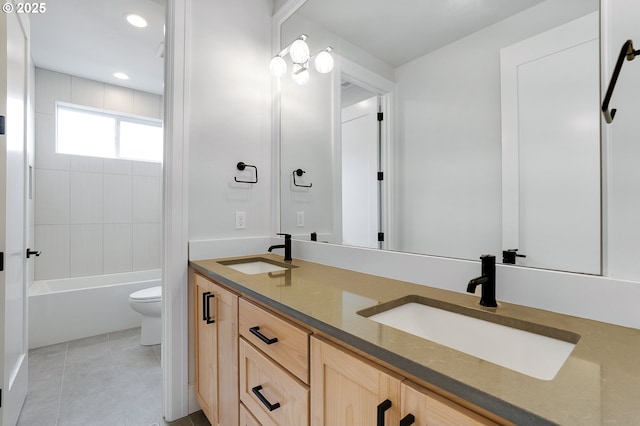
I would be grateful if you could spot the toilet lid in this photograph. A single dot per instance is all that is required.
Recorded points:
(151, 294)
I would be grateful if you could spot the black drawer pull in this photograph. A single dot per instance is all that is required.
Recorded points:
(255, 331)
(409, 419)
(382, 407)
(256, 390)
(206, 307)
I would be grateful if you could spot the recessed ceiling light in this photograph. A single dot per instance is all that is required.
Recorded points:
(121, 75)
(136, 20)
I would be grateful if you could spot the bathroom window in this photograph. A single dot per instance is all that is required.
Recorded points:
(96, 133)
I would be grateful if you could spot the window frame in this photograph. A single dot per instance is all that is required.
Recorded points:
(118, 117)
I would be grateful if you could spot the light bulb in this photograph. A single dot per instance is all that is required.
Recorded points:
(278, 66)
(299, 51)
(324, 62)
(300, 74)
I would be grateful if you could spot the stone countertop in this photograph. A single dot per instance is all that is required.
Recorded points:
(598, 384)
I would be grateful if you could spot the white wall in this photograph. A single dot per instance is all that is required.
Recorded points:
(93, 216)
(229, 117)
(449, 137)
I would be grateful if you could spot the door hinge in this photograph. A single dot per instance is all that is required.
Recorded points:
(380, 116)
(1, 124)
(380, 175)
(380, 236)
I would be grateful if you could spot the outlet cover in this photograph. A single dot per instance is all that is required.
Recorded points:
(241, 220)
(300, 219)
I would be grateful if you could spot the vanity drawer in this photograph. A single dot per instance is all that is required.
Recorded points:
(271, 394)
(246, 418)
(283, 341)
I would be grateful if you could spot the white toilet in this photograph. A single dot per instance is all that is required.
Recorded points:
(147, 302)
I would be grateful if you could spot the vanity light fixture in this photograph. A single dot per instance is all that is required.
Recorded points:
(298, 51)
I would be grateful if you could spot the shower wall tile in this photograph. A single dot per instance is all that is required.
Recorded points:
(146, 199)
(47, 157)
(53, 242)
(86, 192)
(117, 166)
(146, 246)
(147, 104)
(51, 87)
(85, 246)
(145, 168)
(87, 92)
(118, 99)
(118, 248)
(79, 163)
(118, 198)
(52, 197)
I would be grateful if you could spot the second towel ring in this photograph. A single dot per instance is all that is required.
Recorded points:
(300, 172)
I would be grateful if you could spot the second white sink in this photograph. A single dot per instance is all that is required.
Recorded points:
(533, 354)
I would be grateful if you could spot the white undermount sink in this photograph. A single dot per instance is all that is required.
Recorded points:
(536, 354)
(255, 265)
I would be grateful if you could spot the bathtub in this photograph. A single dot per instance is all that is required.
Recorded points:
(72, 308)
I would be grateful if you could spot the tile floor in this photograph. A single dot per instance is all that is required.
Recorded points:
(105, 380)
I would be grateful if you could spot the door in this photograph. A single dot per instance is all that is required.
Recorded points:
(360, 164)
(13, 297)
(348, 390)
(551, 148)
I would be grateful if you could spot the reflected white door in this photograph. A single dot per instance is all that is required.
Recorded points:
(13, 300)
(551, 148)
(359, 174)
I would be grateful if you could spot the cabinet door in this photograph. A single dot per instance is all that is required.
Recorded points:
(205, 350)
(427, 408)
(348, 390)
(216, 349)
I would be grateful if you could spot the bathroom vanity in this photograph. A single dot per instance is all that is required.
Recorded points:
(298, 343)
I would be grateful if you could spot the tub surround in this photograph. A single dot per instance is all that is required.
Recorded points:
(595, 385)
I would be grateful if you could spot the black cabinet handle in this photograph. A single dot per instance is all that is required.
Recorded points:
(382, 407)
(255, 331)
(256, 390)
(206, 313)
(409, 419)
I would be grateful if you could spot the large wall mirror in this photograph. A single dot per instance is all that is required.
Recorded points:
(490, 133)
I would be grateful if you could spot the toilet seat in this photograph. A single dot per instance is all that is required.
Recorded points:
(147, 295)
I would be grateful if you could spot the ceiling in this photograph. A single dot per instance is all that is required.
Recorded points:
(402, 30)
(91, 39)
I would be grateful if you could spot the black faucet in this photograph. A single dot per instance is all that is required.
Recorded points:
(286, 246)
(487, 280)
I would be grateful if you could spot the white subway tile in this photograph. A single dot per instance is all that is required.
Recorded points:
(87, 92)
(53, 242)
(146, 199)
(51, 197)
(118, 198)
(86, 192)
(147, 104)
(117, 166)
(118, 248)
(51, 87)
(80, 163)
(147, 168)
(146, 246)
(119, 99)
(86, 250)
(46, 157)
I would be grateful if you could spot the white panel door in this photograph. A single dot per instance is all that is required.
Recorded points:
(359, 174)
(13, 298)
(551, 148)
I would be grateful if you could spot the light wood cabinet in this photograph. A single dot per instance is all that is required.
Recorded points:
(246, 418)
(216, 351)
(428, 408)
(348, 390)
(269, 392)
